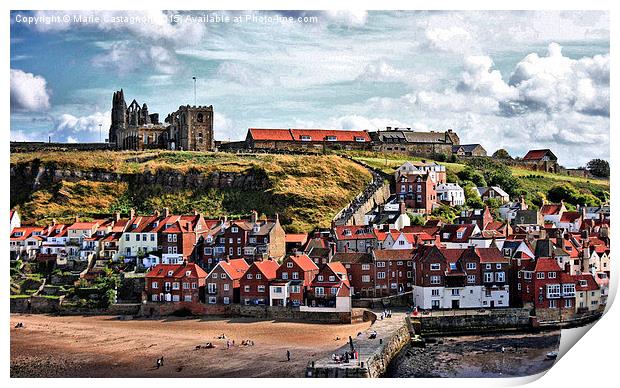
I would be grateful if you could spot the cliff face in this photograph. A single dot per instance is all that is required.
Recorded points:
(31, 176)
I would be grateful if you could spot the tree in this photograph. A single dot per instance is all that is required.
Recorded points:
(570, 195)
(417, 219)
(599, 168)
(471, 175)
(444, 213)
(472, 197)
(501, 154)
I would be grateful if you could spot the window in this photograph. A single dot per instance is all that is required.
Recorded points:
(500, 277)
(498, 266)
(226, 286)
(295, 275)
(540, 275)
(258, 276)
(553, 290)
(261, 288)
(455, 292)
(246, 289)
(289, 264)
(381, 264)
(380, 275)
(320, 278)
(234, 229)
(305, 138)
(176, 298)
(435, 279)
(553, 304)
(193, 285)
(295, 289)
(334, 290)
(208, 251)
(154, 285)
(331, 138)
(153, 237)
(471, 265)
(527, 275)
(365, 267)
(471, 279)
(551, 275)
(568, 303)
(488, 277)
(186, 285)
(175, 285)
(249, 276)
(137, 237)
(284, 275)
(365, 279)
(568, 290)
(487, 266)
(226, 300)
(435, 267)
(332, 278)
(435, 292)
(519, 286)
(214, 276)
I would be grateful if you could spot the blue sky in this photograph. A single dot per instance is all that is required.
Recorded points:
(517, 80)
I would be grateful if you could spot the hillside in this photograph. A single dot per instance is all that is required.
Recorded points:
(530, 183)
(306, 191)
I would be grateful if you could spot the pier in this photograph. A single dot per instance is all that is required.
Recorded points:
(375, 354)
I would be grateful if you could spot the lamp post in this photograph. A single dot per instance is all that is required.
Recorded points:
(100, 132)
(194, 78)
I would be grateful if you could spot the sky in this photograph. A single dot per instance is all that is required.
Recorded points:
(517, 80)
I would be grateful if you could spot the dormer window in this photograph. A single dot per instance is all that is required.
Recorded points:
(331, 138)
(188, 273)
(360, 139)
(320, 277)
(305, 138)
(347, 232)
(234, 229)
(169, 273)
(583, 283)
(167, 226)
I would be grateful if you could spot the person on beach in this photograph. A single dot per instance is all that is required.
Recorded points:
(158, 363)
(288, 355)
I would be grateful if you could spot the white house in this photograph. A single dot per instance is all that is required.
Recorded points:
(451, 193)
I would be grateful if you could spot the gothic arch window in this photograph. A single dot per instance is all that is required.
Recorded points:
(199, 118)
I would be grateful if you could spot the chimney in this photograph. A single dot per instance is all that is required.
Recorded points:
(166, 212)
(195, 212)
(132, 213)
(117, 216)
(156, 213)
(543, 234)
(583, 212)
(254, 216)
(388, 128)
(77, 219)
(401, 207)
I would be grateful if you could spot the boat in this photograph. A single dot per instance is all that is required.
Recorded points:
(552, 355)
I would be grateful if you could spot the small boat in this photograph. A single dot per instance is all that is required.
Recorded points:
(552, 355)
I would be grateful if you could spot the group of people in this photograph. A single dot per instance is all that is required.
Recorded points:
(247, 343)
(386, 314)
(345, 357)
(19, 324)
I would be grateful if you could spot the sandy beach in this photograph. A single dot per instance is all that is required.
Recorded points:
(104, 346)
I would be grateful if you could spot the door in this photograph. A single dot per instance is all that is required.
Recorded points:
(492, 303)
(435, 304)
(456, 303)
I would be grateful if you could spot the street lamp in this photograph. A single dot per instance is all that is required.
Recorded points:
(100, 132)
(194, 78)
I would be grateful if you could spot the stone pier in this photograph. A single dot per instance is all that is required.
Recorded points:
(374, 354)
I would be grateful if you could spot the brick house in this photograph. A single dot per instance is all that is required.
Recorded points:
(254, 284)
(175, 283)
(330, 284)
(354, 238)
(393, 271)
(259, 138)
(480, 217)
(293, 278)
(361, 272)
(181, 235)
(223, 282)
(418, 191)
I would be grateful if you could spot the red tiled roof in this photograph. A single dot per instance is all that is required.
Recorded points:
(304, 262)
(358, 232)
(490, 255)
(314, 134)
(267, 268)
(550, 209)
(83, 225)
(299, 238)
(393, 254)
(235, 268)
(570, 216)
(536, 154)
(546, 264)
(591, 283)
(178, 271)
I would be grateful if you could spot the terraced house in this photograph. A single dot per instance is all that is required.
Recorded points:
(175, 283)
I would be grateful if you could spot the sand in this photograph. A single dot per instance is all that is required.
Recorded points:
(104, 346)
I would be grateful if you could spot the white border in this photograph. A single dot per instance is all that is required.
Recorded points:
(591, 362)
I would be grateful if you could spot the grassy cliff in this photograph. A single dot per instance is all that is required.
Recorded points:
(306, 191)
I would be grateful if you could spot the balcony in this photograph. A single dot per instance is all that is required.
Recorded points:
(553, 295)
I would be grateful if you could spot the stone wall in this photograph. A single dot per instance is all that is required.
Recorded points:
(463, 322)
(29, 146)
(35, 305)
(291, 314)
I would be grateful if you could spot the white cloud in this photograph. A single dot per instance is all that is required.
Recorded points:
(556, 83)
(124, 58)
(380, 71)
(452, 39)
(68, 128)
(29, 92)
(348, 17)
(479, 78)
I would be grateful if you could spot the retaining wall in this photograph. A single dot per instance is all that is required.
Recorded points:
(35, 304)
(497, 320)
